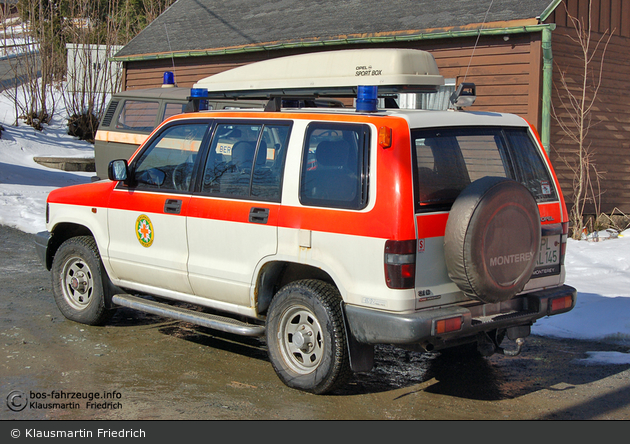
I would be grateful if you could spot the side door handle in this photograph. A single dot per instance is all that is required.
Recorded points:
(173, 206)
(259, 215)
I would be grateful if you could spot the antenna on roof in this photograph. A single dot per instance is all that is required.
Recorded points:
(170, 49)
(477, 41)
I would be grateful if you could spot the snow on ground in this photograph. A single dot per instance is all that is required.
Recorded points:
(599, 270)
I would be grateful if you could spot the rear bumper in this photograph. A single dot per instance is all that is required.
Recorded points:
(378, 327)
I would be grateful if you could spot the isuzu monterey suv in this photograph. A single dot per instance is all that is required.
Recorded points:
(327, 231)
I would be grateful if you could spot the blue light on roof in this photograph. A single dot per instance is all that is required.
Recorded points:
(169, 78)
(201, 94)
(367, 99)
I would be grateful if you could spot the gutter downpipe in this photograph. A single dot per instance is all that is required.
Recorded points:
(547, 86)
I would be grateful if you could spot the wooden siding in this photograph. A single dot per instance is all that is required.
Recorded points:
(507, 73)
(606, 15)
(609, 136)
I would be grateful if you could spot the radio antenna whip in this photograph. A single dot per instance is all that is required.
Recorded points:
(171, 49)
(477, 41)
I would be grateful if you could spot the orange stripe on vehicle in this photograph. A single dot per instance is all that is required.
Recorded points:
(550, 212)
(146, 202)
(118, 137)
(91, 194)
(431, 225)
(229, 210)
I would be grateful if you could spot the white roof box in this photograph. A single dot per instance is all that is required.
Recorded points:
(328, 73)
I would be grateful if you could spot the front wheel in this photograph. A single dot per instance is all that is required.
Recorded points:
(80, 283)
(306, 338)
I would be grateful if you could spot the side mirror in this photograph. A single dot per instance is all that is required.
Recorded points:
(118, 170)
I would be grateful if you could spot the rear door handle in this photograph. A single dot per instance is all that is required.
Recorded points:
(259, 215)
(173, 206)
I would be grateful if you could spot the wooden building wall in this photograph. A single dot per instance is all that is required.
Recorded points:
(507, 72)
(609, 134)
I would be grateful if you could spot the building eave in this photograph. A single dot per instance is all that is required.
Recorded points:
(494, 28)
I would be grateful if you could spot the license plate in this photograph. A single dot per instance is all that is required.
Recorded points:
(548, 261)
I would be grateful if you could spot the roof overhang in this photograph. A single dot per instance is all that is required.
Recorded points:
(495, 28)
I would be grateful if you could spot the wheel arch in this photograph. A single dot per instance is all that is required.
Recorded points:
(276, 274)
(61, 233)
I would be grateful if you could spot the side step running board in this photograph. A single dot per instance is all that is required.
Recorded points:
(214, 322)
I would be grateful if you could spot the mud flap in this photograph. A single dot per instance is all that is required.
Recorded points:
(361, 355)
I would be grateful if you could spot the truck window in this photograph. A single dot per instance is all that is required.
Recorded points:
(167, 164)
(335, 165)
(246, 161)
(138, 115)
(449, 159)
(172, 109)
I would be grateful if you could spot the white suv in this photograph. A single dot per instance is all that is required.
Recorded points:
(328, 231)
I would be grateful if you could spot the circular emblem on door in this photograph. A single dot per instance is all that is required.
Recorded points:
(144, 230)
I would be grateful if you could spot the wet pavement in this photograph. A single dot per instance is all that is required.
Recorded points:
(145, 367)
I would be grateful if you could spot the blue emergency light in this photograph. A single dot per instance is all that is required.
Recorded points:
(367, 99)
(169, 79)
(200, 94)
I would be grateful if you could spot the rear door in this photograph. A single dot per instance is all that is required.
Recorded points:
(450, 159)
(232, 217)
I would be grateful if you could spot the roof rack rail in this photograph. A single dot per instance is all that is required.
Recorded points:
(328, 74)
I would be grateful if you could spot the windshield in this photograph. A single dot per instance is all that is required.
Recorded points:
(449, 159)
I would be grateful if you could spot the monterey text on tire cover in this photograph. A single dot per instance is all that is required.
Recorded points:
(492, 239)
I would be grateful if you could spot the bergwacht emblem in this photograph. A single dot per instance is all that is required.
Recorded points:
(144, 230)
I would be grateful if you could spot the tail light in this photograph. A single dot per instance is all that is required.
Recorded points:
(400, 264)
(559, 305)
(447, 325)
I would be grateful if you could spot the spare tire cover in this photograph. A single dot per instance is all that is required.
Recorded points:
(492, 239)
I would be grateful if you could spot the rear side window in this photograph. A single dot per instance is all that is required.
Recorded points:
(172, 109)
(335, 166)
(246, 160)
(138, 115)
(449, 159)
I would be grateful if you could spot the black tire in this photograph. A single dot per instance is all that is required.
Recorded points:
(306, 337)
(80, 283)
(492, 239)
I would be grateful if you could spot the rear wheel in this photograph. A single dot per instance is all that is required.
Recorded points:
(79, 282)
(306, 337)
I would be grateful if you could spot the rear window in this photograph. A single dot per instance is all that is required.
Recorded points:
(449, 159)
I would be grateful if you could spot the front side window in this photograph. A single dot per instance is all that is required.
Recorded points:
(246, 160)
(335, 165)
(449, 159)
(167, 164)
